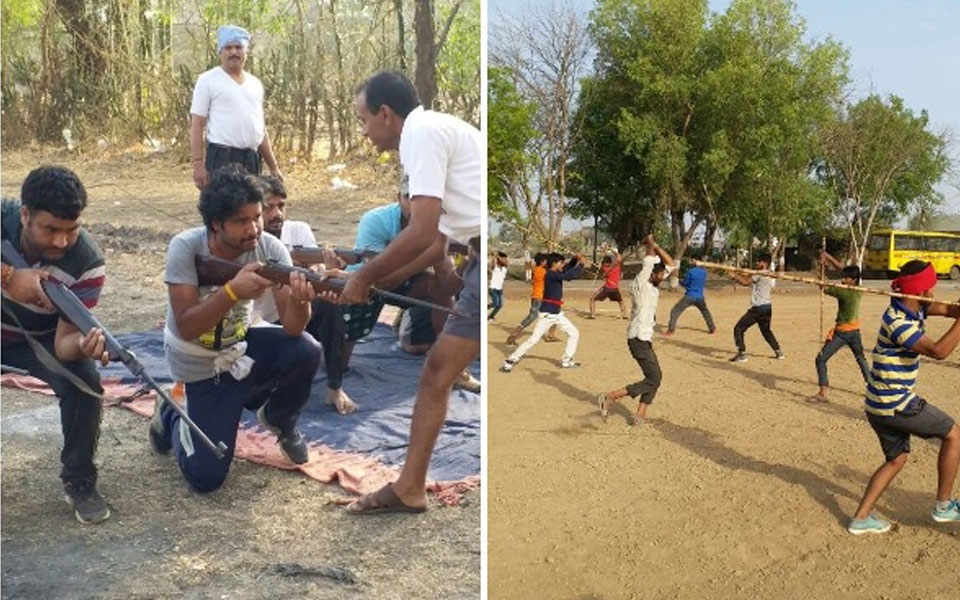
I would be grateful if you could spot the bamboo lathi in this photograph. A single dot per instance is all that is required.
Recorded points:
(786, 277)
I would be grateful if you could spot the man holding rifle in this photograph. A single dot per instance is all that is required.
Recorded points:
(44, 227)
(225, 365)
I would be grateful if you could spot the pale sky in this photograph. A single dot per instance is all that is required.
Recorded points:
(905, 47)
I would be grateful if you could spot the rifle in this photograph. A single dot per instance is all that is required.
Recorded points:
(212, 270)
(314, 256)
(72, 309)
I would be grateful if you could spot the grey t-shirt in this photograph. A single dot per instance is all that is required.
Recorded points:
(762, 286)
(183, 250)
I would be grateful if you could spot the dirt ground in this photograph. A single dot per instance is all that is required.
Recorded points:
(163, 540)
(737, 486)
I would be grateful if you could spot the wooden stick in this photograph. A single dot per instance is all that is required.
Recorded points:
(823, 278)
(786, 277)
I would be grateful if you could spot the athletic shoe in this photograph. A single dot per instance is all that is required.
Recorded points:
(668, 333)
(159, 436)
(780, 355)
(739, 357)
(507, 365)
(87, 503)
(602, 403)
(292, 443)
(568, 363)
(950, 514)
(869, 525)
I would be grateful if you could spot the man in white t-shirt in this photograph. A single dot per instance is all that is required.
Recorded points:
(326, 323)
(644, 292)
(444, 160)
(760, 311)
(228, 103)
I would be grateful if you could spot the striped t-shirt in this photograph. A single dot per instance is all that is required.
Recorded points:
(895, 364)
(82, 269)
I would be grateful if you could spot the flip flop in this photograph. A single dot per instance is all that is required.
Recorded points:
(384, 500)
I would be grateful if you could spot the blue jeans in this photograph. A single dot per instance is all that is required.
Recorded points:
(496, 302)
(280, 379)
(841, 339)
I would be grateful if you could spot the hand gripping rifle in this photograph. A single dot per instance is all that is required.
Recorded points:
(314, 256)
(212, 270)
(72, 309)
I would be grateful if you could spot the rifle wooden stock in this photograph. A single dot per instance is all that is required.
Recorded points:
(212, 270)
(785, 277)
(72, 309)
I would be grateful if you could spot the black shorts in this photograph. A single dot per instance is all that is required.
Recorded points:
(609, 293)
(919, 418)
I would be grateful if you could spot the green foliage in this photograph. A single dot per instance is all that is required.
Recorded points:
(880, 163)
(126, 70)
(606, 179)
(458, 66)
(509, 132)
(719, 113)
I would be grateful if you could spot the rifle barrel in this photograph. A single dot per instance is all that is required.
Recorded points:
(74, 311)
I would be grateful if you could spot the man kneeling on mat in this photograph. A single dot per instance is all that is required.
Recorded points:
(225, 365)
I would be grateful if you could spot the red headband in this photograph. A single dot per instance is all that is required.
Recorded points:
(917, 283)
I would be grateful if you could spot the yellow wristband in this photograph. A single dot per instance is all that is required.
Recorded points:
(230, 293)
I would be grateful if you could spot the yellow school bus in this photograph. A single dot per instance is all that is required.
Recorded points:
(888, 250)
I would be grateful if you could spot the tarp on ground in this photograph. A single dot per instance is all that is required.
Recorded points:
(362, 449)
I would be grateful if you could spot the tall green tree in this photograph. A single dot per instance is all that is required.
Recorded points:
(720, 112)
(880, 157)
(510, 167)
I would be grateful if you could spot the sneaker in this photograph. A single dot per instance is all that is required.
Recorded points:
(739, 357)
(292, 443)
(667, 333)
(871, 524)
(159, 436)
(950, 514)
(467, 382)
(507, 365)
(780, 355)
(602, 403)
(568, 363)
(87, 503)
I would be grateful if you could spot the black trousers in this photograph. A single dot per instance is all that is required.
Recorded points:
(643, 353)
(685, 303)
(221, 156)
(327, 326)
(759, 315)
(80, 412)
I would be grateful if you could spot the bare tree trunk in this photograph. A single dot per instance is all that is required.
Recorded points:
(401, 40)
(425, 79)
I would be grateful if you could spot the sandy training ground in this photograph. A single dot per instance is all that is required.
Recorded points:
(736, 487)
